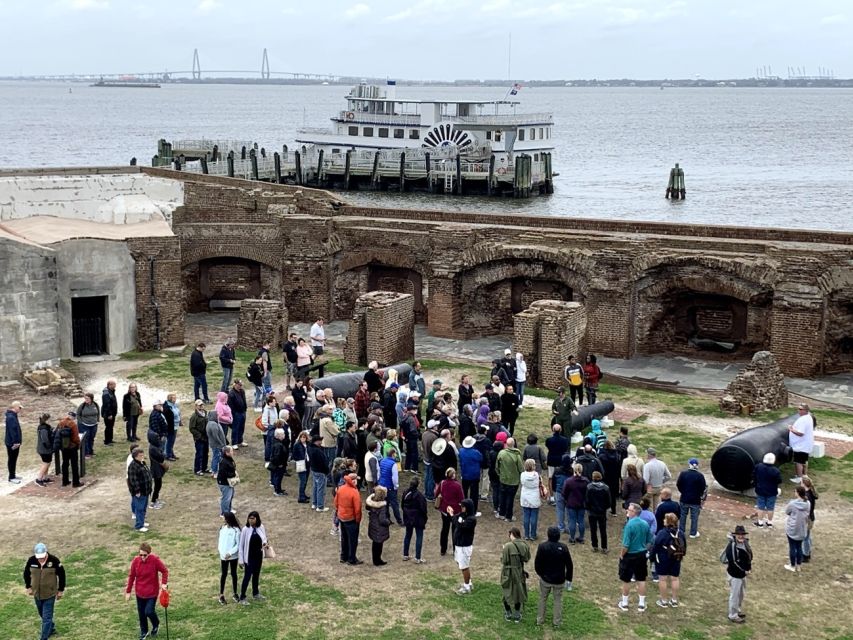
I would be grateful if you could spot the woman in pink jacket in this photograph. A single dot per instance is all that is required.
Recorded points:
(223, 412)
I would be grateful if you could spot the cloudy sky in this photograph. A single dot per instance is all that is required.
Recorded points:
(431, 39)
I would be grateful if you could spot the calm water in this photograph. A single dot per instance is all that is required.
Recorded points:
(758, 157)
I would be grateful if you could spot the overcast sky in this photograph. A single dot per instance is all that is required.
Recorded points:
(431, 39)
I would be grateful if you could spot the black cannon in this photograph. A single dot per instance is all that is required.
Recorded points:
(590, 412)
(345, 385)
(734, 460)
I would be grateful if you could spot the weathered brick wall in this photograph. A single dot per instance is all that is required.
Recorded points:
(382, 328)
(161, 313)
(547, 334)
(261, 321)
(759, 386)
(797, 340)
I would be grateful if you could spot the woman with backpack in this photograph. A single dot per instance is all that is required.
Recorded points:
(668, 551)
(67, 442)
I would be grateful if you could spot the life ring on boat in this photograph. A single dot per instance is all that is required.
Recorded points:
(501, 171)
(350, 115)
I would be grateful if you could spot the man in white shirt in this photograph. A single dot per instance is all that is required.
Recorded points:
(801, 439)
(318, 337)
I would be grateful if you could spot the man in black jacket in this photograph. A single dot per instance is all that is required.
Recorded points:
(198, 370)
(319, 467)
(554, 567)
(227, 358)
(237, 402)
(157, 421)
(463, 541)
(738, 557)
(109, 411)
(289, 349)
(140, 484)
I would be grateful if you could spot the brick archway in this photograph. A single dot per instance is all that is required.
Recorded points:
(703, 307)
(254, 252)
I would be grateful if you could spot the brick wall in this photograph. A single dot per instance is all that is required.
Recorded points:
(758, 387)
(382, 328)
(166, 305)
(261, 321)
(547, 334)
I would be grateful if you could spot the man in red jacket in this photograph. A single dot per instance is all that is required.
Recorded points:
(145, 570)
(348, 507)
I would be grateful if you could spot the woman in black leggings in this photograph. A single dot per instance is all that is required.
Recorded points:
(253, 541)
(229, 551)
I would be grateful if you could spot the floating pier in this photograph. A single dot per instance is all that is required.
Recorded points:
(433, 170)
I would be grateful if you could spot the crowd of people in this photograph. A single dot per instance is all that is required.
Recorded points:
(454, 453)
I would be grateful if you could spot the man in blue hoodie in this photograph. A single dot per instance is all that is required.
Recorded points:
(13, 439)
(470, 465)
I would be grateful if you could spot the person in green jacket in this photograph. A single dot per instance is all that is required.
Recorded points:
(509, 465)
(561, 411)
(513, 576)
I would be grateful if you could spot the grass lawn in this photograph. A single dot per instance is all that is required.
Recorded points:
(311, 596)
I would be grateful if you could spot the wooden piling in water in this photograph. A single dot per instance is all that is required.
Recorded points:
(516, 180)
(284, 152)
(458, 175)
(675, 188)
(491, 180)
(320, 168)
(427, 161)
(402, 171)
(263, 152)
(374, 174)
(549, 174)
(215, 155)
(253, 158)
(243, 153)
(230, 164)
(276, 160)
(297, 159)
(204, 165)
(155, 161)
(347, 164)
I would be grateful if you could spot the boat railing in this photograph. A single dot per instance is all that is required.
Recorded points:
(224, 146)
(361, 117)
(505, 119)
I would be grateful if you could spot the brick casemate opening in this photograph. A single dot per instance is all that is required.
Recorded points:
(352, 283)
(839, 333)
(491, 293)
(228, 279)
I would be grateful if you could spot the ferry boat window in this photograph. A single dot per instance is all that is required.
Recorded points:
(383, 132)
(536, 157)
(399, 133)
(488, 135)
(541, 133)
(368, 132)
(548, 132)
(533, 133)
(497, 136)
(414, 134)
(353, 131)
(336, 150)
(521, 134)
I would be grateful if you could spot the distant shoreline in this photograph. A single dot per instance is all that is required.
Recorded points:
(762, 83)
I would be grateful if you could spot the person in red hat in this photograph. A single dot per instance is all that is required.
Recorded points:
(144, 577)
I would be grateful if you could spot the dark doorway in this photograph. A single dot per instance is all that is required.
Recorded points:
(89, 325)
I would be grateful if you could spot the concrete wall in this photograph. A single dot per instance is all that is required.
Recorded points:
(98, 268)
(29, 329)
(115, 199)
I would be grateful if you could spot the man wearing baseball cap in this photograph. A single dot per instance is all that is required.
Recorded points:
(693, 488)
(44, 579)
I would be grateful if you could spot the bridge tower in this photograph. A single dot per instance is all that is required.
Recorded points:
(265, 66)
(196, 66)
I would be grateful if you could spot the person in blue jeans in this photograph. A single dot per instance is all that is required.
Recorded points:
(198, 370)
(563, 473)
(693, 488)
(300, 459)
(44, 579)
(319, 468)
(140, 484)
(415, 518)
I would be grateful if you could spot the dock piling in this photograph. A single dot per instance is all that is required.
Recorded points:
(427, 161)
(491, 180)
(155, 161)
(230, 164)
(458, 175)
(402, 171)
(284, 152)
(675, 189)
(320, 168)
(276, 160)
(133, 161)
(243, 153)
(374, 174)
(204, 169)
(297, 159)
(215, 155)
(263, 152)
(549, 174)
(347, 165)
(254, 161)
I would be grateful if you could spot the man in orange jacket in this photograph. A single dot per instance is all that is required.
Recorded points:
(348, 508)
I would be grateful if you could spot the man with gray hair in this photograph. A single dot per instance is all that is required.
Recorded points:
(227, 358)
(636, 538)
(655, 474)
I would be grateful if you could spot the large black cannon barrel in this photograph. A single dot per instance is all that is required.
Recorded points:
(588, 413)
(345, 385)
(734, 460)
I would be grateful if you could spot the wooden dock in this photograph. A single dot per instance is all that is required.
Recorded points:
(431, 170)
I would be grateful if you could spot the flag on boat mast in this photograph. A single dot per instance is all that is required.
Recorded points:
(514, 89)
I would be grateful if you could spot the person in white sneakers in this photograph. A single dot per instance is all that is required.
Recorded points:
(463, 542)
(636, 539)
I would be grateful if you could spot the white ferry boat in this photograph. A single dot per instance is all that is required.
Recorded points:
(376, 119)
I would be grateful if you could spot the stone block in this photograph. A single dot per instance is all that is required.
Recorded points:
(760, 386)
(261, 321)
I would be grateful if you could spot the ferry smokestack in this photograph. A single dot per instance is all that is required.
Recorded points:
(391, 90)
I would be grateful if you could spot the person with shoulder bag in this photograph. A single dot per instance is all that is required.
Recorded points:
(253, 549)
(229, 551)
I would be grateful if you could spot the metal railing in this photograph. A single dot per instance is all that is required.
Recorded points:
(360, 117)
(204, 144)
(507, 119)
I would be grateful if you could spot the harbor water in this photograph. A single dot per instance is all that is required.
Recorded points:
(752, 157)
